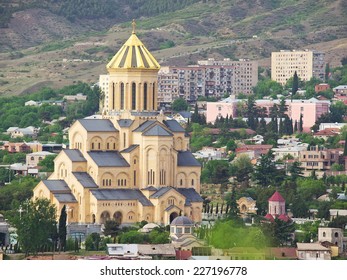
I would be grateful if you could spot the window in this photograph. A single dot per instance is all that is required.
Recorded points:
(145, 96)
(122, 96)
(133, 96)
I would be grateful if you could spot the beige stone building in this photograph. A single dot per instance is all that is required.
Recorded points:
(131, 165)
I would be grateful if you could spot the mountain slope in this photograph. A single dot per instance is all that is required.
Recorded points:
(47, 45)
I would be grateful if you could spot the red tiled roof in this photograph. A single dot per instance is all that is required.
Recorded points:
(254, 147)
(216, 131)
(276, 197)
(269, 217)
(183, 255)
(328, 131)
(283, 253)
(283, 217)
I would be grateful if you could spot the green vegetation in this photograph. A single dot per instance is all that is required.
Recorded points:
(35, 226)
(14, 113)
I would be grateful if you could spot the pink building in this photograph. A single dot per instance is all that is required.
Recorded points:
(226, 107)
(310, 109)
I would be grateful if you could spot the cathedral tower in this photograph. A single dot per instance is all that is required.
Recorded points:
(133, 76)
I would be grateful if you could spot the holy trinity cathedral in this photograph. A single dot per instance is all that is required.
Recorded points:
(133, 164)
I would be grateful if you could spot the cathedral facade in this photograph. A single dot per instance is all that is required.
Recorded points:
(133, 164)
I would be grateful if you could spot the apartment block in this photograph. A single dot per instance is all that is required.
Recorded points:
(210, 78)
(319, 159)
(306, 63)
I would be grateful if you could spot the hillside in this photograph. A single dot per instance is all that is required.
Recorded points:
(61, 42)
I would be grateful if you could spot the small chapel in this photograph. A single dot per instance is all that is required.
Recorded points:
(133, 163)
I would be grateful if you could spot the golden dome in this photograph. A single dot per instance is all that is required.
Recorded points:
(133, 54)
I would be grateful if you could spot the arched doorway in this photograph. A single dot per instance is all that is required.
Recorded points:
(118, 217)
(105, 216)
(173, 215)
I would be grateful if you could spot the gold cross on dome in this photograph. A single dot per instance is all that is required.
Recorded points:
(133, 25)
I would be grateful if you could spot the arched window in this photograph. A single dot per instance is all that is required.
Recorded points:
(122, 96)
(145, 96)
(153, 96)
(133, 96)
(324, 234)
(336, 234)
(192, 182)
(181, 182)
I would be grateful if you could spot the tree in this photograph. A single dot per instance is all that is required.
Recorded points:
(215, 172)
(36, 226)
(279, 232)
(233, 206)
(242, 168)
(196, 115)
(265, 172)
(179, 105)
(295, 170)
(295, 86)
(62, 229)
(47, 163)
(111, 228)
(301, 128)
(93, 242)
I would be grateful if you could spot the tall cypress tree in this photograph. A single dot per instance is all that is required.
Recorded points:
(62, 229)
(295, 126)
(301, 124)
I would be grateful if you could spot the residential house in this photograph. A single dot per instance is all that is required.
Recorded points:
(33, 159)
(340, 93)
(318, 159)
(333, 213)
(334, 236)
(74, 98)
(323, 126)
(281, 253)
(182, 117)
(141, 251)
(211, 153)
(29, 131)
(286, 150)
(312, 251)
(15, 147)
(253, 151)
(326, 133)
(321, 87)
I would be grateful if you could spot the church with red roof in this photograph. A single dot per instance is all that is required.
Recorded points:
(277, 208)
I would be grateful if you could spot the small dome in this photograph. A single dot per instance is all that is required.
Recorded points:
(182, 221)
(148, 227)
(1, 218)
